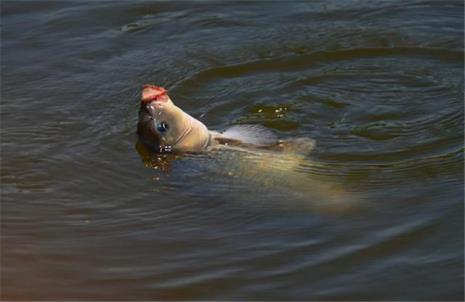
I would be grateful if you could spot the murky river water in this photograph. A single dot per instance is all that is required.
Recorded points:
(87, 214)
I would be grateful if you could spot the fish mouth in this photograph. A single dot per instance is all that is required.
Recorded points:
(154, 93)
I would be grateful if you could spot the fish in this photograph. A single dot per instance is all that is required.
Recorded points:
(252, 153)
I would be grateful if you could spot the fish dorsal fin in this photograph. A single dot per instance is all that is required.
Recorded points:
(250, 134)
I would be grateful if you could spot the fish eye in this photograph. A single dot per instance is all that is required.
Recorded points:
(162, 126)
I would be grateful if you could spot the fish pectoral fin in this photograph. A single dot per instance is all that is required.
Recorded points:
(250, 134)
(227, 141)
(301, 146)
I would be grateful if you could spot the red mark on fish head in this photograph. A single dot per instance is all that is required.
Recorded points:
(154, 93)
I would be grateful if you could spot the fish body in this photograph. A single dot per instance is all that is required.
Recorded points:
(247, 152)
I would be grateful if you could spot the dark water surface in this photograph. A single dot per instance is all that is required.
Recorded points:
(87, 214)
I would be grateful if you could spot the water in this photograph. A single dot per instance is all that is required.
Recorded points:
(87, 214)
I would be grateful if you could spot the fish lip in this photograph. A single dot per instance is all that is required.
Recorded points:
(153, 93)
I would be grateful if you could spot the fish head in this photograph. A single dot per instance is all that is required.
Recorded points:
(161, 123)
